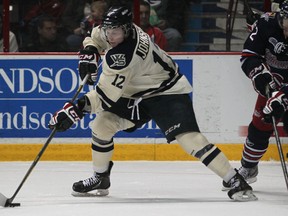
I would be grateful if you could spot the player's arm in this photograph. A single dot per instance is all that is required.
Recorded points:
(70, 113)
(253, 62)
(109, 89)
(89, 58)
(96, 38)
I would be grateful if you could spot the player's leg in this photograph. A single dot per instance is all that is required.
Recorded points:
(256, 143)
(104, 127)
(182, 125)
(195, 144)
(255, 146)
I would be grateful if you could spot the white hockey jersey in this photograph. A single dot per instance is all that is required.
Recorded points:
(136, 69)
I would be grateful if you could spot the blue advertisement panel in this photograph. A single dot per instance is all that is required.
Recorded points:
(32, 89)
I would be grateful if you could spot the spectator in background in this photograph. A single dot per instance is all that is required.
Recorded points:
(47, 39)
(98, 8)
(94, 17)
(275, 5)
(13, 44)
(32, 10)
(168, 15)
(155, 33)
(78, 17)
(75, 12)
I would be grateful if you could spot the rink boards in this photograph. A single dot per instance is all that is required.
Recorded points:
(32, 87)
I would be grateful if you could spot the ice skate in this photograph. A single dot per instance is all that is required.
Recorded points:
(241, 190)
(249, 175)
(97, 185)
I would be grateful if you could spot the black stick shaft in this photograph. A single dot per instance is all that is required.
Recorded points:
(250, 11)
(52, 134)
(280, 151)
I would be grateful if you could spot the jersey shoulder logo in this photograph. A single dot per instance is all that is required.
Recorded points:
(279, 47)
(119, 60)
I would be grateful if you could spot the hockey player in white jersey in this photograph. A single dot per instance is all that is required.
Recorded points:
(139, 82)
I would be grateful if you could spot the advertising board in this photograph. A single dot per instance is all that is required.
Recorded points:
(33, 87)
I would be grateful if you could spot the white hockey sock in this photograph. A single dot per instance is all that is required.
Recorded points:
(196, 144)
(221, 166)
(101, 160)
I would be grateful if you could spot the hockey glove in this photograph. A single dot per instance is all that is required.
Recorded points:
(261, 77)
(88, 64)
(275, 106)
(66, 117)
(251, 20)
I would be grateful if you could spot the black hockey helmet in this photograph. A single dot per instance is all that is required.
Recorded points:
(283, 12)
(118, 16)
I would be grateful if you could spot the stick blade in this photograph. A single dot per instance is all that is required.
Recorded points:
(3, 200)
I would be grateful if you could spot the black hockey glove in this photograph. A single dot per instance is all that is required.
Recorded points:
(275, 106)
(88, 64)
(251, 20)
(66, 117)
(261, 78)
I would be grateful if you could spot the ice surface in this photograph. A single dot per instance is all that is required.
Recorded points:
(139, 188)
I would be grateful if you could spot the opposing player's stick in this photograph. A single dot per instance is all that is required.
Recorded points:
(280, 150)
(249, 9)
(7, 202)
(279, 145)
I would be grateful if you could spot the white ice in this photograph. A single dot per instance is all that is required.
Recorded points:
(139, 188)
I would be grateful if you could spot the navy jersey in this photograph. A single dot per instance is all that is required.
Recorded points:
(267, 44)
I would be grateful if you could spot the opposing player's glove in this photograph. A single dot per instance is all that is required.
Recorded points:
(88, 64)
(251, 20)
(275, 106)
(66, 117)
(261, 78)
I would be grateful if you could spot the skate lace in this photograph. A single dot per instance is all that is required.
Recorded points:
(90, 181)
(248, 172)
(235, 182)
(244, 172)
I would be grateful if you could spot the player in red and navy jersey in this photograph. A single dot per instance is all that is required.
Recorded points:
(265, 61)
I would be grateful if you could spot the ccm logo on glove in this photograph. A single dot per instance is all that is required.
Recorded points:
(86, 57)
(88, 64)
(66, 117)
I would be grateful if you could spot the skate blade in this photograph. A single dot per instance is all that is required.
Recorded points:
(251, 180)
(226, 188)
(95, 193)
(244, 196)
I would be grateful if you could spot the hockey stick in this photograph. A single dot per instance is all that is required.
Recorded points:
(7, 202)
(250, 11)
(280, 151)
(251, 15)
(279, 145)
